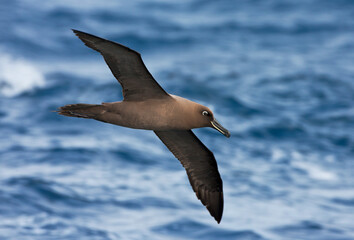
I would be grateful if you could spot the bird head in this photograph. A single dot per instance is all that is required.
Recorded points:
(206, 116)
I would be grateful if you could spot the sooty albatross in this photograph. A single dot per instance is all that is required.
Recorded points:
(147, 106)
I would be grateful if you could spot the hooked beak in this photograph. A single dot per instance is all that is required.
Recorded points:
(220, 128)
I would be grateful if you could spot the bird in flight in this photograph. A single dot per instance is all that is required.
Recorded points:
(146, 105)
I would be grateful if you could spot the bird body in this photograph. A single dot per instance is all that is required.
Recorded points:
(151, 114)
(147, 106)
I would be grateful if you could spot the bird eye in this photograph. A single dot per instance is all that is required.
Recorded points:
(205, 113)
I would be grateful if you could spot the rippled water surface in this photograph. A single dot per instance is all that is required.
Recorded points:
(278, 74)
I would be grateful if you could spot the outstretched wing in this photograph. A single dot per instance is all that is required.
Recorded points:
(127, 67)
(200, 165)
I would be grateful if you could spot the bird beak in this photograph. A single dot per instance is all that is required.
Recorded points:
(220, 128)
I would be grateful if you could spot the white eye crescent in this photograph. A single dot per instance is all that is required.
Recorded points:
(205, 113)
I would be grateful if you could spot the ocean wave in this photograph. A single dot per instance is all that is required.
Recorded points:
(194, 230)
(278, 74)
(315, 172)
(18, 76)
(316, 230)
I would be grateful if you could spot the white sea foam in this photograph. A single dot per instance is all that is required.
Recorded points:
(18, 76)
(316, 172)
(277, 154)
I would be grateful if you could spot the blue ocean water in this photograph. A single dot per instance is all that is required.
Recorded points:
(278, 74)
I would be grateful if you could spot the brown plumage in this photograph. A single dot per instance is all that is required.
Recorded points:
(147, 106)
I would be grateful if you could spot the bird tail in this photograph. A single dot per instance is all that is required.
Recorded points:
(82, 110)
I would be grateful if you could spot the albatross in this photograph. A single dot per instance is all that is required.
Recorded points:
(146, 105)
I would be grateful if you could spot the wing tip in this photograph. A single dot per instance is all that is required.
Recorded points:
(216, 205)
(218, 218)
(79, 33)
(92, 41)
(88, 39)
(213, 201)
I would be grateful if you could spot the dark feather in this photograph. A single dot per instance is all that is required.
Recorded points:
(81, 110)
(127, 67)
(201, 167)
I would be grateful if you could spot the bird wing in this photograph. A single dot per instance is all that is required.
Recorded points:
(200, 165)
(127, 67)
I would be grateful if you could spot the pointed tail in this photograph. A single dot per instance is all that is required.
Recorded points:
(82, 110)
